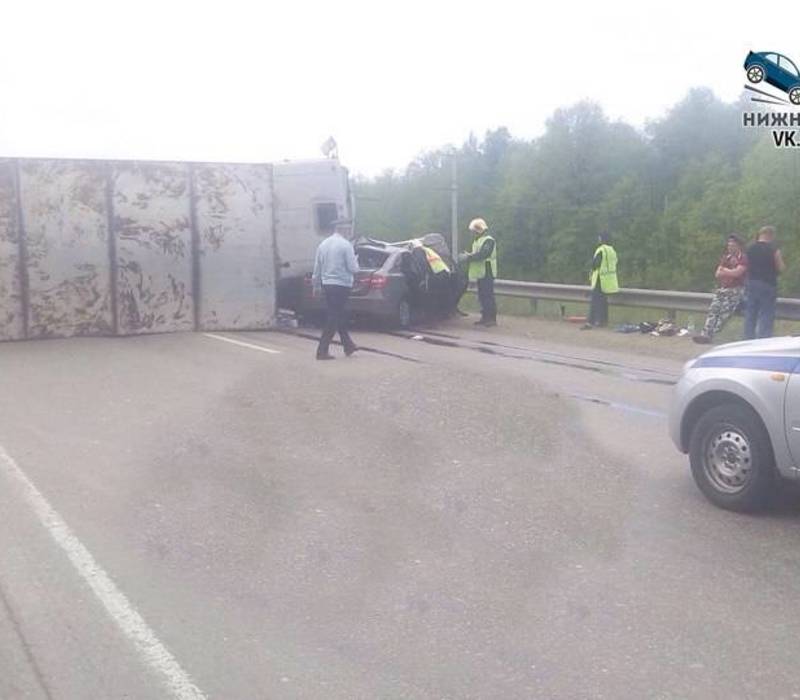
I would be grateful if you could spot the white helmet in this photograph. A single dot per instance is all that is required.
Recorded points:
(478, 226)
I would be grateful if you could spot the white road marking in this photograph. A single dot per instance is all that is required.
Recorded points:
(130, 622)
(252, 346)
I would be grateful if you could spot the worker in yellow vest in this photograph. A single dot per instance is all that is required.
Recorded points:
(482, 269)
(603, 281)
(435, 262)
(437, 280)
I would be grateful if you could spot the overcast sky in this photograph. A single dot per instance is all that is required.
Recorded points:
(261, 81)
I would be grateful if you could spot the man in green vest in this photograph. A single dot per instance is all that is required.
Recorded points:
(603, 282)
(482, 269)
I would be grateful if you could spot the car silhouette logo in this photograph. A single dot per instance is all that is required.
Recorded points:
(775, 69)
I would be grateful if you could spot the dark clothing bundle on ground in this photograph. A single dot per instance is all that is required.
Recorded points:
(664, 327)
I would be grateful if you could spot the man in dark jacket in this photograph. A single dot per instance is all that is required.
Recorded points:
(764, 264)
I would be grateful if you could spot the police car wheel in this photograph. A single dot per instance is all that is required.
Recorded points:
(794, 95)
(731, 458)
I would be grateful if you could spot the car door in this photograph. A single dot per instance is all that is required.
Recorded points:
(791, 410)
(773, 70)
(788, 71)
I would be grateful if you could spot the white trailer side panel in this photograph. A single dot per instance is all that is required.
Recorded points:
(11, 312)
(151, 215)
(66, 230)
(233, 215)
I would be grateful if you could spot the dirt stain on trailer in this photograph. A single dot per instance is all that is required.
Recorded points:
(11, 326)
(152, 229)
(66, 236)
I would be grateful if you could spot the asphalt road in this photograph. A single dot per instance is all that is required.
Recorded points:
(476, 516)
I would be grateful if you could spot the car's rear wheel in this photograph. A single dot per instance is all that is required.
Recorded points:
(731, 457)
(402, 315)
(794, 95)
(755, 74)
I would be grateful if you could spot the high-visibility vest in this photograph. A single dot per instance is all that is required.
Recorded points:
(435, 261)
(477, 268)
(607, 272)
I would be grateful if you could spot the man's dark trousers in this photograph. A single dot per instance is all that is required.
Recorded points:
(759, 315)
(336, 321)
(598, 308)
(486, 298)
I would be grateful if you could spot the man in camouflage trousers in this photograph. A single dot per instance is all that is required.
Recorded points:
(730, 275)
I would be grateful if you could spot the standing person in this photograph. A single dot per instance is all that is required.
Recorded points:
(334, 268)
(603, 282)
(482, 269)
(764, 264)
(437, 278)
(730, 276)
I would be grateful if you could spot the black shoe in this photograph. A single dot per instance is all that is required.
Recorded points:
(490, 323)
(350, 351)
(326, 356)
(480, 322)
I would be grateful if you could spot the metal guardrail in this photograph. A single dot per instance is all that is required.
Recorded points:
(672, 302)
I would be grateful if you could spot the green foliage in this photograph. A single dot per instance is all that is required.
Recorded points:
(669, 195)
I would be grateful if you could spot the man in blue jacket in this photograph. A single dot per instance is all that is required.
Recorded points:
(334, 268)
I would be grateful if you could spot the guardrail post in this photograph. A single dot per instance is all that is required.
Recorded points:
(534, 306)
(664, 301)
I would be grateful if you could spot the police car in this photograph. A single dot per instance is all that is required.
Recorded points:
(736, 413)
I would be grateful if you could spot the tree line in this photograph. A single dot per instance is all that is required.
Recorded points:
(669, 194)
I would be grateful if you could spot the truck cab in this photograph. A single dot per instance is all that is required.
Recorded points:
(309, 196)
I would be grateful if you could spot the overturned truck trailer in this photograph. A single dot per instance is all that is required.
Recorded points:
(93, 247)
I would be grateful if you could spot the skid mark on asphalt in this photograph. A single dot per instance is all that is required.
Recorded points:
(251, 346)
(597, 400)
(487, 347)
(155, 655)
(362, 348)
(619, 406)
